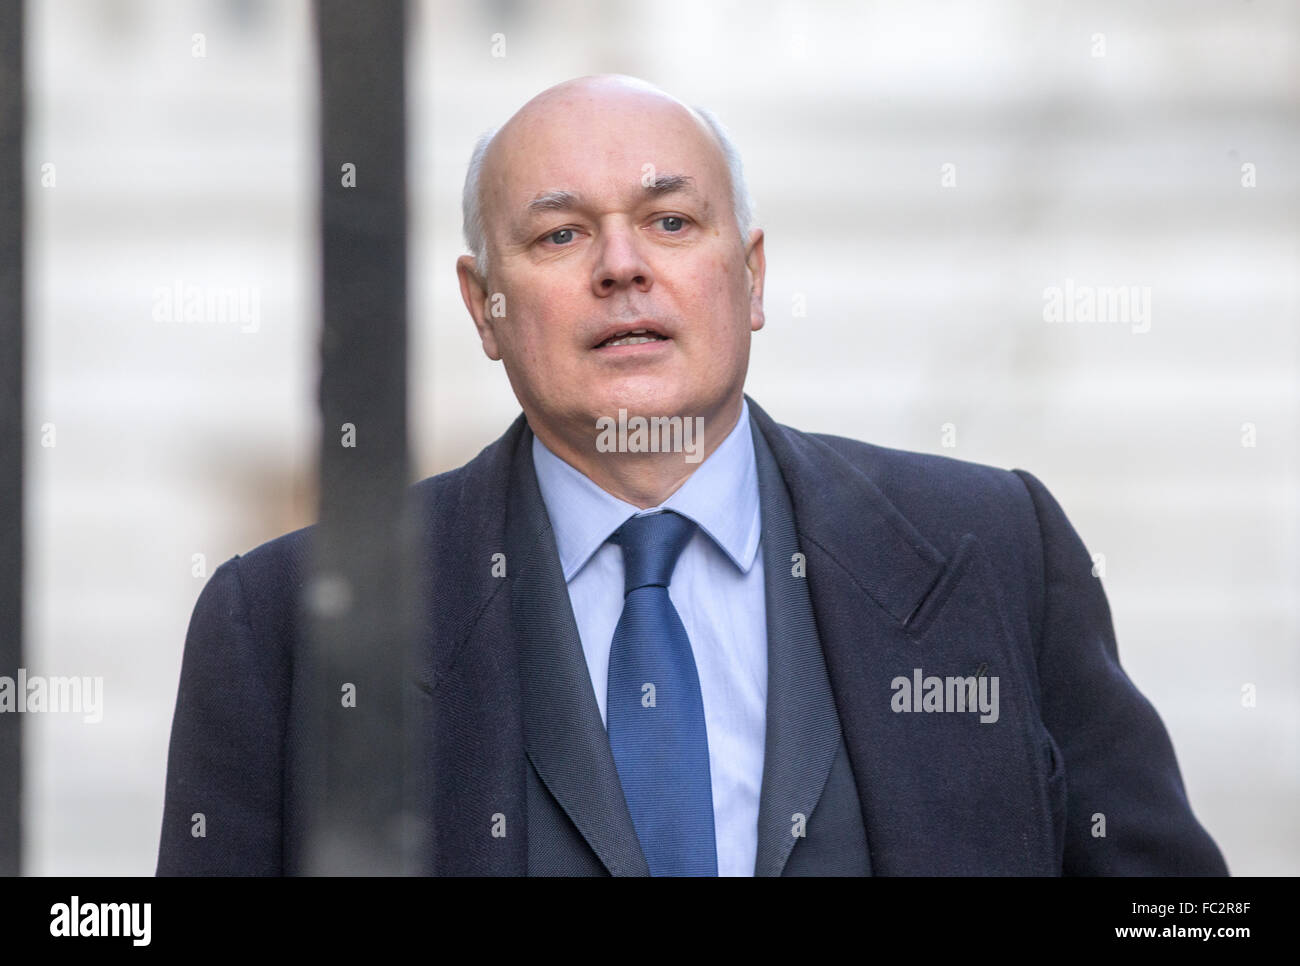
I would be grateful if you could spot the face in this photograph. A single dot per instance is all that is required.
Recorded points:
(608, 210)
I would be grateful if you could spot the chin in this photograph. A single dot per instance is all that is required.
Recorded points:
(649, 400)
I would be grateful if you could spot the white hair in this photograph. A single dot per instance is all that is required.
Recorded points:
(742, 202)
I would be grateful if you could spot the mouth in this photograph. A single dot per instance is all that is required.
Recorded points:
(629, 336)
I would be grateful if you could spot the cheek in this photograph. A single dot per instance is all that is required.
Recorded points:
(710, 287)
(727, 293)
(539, 328)
(731, 275)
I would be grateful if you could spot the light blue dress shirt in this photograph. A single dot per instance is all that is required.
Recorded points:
(717, 588)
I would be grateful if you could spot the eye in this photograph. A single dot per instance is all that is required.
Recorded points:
(672, 223)
(554, 236)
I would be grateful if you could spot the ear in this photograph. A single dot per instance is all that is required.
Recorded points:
(474, 291)
(756, 262)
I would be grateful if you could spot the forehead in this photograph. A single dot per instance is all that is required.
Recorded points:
(599, 146)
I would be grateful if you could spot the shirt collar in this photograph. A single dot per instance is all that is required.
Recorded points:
(721, 497)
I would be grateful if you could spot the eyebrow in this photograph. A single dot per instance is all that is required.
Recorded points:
(562, 200)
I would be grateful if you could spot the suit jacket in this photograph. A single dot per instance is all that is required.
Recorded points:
(881, 565)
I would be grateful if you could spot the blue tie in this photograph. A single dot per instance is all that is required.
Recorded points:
(653, 710)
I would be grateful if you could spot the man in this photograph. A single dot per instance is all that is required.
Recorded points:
(716, 645)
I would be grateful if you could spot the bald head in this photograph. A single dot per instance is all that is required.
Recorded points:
(585, 114)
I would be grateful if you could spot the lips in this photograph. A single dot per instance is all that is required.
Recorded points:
(636, 334)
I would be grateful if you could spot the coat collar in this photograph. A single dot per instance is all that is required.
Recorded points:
(886, 557)
(889, 559)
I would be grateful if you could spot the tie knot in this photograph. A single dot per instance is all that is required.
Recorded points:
(651, 545)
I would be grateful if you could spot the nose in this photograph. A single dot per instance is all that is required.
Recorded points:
(620, 263)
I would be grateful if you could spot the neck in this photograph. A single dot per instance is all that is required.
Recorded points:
(643, 479)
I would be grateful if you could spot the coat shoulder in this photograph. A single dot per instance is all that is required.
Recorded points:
(439, 503)
(942, 496)
(947, 499)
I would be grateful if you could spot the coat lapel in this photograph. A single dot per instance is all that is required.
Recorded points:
(940, 793)
(502, 676)
(802, 730)
(468, 752)
(563, 734)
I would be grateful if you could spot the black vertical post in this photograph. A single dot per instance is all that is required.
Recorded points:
(359, 597)
(11, 422)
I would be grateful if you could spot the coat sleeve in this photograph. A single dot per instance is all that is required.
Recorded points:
(1119, 763)
(222, 812)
